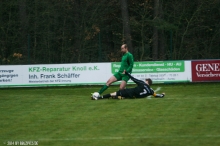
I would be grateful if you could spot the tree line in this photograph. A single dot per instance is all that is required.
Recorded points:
(78, 31)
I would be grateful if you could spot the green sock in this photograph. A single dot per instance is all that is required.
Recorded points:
(103, 89)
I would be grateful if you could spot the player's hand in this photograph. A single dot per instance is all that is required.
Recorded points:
(125, 72)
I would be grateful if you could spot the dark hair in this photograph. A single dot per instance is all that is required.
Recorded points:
(150, 82)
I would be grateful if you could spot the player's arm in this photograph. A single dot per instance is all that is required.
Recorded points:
(159, 95)
(131, 63)
(134, 79)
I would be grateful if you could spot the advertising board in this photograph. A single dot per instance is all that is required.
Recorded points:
(205, 70)
(160, 71)
(99, 73)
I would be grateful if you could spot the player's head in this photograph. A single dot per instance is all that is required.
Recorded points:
(124, 48)
(149, 81)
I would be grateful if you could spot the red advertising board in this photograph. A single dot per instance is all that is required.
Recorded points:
(208, 70)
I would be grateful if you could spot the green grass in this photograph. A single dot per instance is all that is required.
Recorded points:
(62, 116)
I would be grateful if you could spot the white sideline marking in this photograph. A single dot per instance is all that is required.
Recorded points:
(187, 98)
(135, 137)
(158, 89)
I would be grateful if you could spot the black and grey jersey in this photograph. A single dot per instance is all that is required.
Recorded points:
(142, 89)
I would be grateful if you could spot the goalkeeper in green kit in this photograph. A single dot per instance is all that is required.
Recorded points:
(127, 63)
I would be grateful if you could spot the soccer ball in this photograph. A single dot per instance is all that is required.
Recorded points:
(95, 95)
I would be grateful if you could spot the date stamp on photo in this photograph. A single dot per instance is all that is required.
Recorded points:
(20, 143)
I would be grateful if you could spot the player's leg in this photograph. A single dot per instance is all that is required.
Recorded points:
(108, 83)
(126, 93)
(111, 80)
(121, 94)
(123, 85)
(124, 81)
(108, 95)
(114, 95)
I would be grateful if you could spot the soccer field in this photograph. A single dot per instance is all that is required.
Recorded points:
(189, 115)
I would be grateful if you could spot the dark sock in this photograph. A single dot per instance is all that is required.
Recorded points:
(106, 96)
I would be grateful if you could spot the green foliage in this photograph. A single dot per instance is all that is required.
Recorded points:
(189, 114)
(72, 31)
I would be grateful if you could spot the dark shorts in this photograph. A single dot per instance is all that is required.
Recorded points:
(127, 93)
(120, 76)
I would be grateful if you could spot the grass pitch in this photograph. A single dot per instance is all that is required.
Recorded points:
(188, 115)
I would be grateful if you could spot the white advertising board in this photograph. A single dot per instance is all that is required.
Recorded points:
(56, 74)
(90, 73)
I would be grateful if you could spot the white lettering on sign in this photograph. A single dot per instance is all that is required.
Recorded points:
(207, 75)
(208, 67)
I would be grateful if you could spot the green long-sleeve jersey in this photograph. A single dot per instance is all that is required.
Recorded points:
(127, 62)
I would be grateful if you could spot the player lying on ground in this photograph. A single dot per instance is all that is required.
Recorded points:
(142, 90)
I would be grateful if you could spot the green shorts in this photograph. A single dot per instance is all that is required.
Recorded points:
(120, 76)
